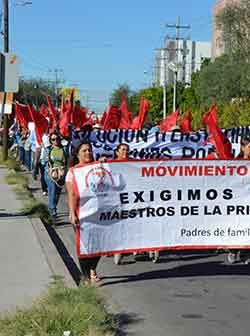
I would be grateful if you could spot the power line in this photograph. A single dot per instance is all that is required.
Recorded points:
(57, 72)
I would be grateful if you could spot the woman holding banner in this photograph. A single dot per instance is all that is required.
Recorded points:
(121, 152)
(83, 155)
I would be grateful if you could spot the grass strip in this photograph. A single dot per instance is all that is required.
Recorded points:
(32, 207)
(80, 311)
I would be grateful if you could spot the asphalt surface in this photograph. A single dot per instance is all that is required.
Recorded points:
(185, 294)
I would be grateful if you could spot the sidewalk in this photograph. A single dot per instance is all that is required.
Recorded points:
(25, 272)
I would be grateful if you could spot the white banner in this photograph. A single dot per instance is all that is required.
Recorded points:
(146, 144)
(142, 205)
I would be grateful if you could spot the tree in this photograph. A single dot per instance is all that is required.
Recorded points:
(115, 98)
(244, 115)
(229, 115)
(196, 118)
(234, 23)
(189, 96)
(154, 95)
(34, 91)
(188, 99)
(219, 81)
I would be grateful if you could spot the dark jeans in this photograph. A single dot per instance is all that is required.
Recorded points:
(42, 177)
(36, 162)
(87, 264)
(21, 155)
(28, 161)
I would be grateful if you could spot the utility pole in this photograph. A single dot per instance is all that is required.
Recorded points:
(164, 85)
(6, 50)
(57, 73)
(177, 38)
(5, 34)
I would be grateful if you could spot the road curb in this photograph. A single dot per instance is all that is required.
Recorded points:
(53, 258)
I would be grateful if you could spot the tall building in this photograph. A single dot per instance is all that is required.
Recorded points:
(184, 56)
(218, 47)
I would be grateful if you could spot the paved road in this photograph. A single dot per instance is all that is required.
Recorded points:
(185, 294)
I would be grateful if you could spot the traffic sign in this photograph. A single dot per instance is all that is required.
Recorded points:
(9, 79)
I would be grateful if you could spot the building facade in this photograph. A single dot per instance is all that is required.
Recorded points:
(218, 47)
(184, 57)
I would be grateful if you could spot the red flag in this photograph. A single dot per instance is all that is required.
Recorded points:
(126, 116)
(211, 156)
(67, 114)
(23, 116)
(113, 118)
(52, 109)
(79, 116)
(143, 112)
(64, 125)
(62, 105)
(90, 120)
(44, 110)
(65, 119)
(220, 141)
(104, 115)
(169, 122)
(211, 116)
(144, 109)
(41, 123)
(139, 120)
(52, 115)
(186, 123)
(98, 120)
(135, 123)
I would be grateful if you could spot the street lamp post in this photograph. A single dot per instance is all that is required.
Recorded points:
(174, 67)
(175, 91)
(164, 86)
(163, 79)
(36, 94)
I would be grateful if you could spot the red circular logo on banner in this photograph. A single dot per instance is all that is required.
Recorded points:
(99, 179)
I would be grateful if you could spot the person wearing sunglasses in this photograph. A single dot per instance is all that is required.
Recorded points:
(55, 163)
